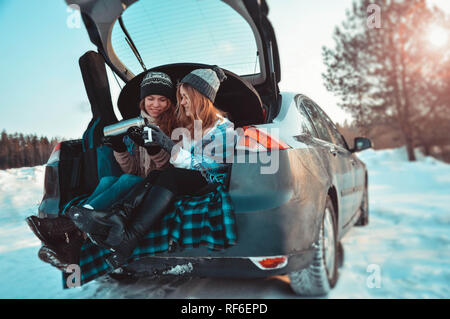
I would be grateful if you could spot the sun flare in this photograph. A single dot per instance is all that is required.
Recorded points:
(438, 36)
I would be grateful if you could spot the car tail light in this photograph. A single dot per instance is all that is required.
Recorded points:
(269, 263)
(255, 139)
(54, 157)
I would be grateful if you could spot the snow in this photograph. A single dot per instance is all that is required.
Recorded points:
(404, 252)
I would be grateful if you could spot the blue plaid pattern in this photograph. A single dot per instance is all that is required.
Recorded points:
(221, 142)
(194, 221)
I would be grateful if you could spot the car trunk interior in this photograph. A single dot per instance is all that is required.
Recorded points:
(117, 26)
(236, 97)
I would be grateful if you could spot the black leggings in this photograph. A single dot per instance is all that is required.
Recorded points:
(178, 180)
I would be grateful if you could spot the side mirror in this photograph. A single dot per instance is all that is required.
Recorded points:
(361, 144)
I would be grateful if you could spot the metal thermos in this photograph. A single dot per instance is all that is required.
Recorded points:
(123, 126)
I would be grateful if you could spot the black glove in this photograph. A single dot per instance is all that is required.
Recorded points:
(115, 142)
(161, 138)
(137, 135)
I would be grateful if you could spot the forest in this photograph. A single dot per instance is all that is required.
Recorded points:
(19, 150)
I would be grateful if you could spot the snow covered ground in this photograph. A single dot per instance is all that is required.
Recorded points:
(403, 253)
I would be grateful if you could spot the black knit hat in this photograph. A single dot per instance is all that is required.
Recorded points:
(158, 83)
(206, 81)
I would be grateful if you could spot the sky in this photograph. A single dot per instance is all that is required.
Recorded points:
(42, 91)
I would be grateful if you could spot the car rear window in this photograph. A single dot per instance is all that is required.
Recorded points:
(192, 31)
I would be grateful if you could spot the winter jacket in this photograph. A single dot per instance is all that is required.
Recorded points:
(212, 154)
(137, 161)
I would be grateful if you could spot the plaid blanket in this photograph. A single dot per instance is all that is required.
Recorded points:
(202, 220)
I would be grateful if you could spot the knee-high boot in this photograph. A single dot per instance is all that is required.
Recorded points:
(105, 228)
(155, 205)
(125, 228)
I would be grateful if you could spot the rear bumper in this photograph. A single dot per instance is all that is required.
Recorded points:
(282, 231)
(219, 267)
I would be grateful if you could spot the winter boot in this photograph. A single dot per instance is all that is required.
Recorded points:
(153, 208)
(104, 228)
(50, 256)
(60, 235)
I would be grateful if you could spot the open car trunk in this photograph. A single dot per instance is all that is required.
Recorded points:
(236, 35)
(248, 99)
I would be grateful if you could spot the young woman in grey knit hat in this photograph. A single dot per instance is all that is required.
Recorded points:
(192, 168)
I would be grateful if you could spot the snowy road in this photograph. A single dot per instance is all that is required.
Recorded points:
(403, 253)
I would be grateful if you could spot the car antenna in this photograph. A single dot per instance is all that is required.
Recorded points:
(131, 44)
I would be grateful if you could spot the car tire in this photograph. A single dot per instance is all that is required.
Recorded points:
(322, 274)
(340, 255)
(363, 219)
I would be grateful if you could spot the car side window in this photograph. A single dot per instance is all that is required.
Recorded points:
(306, 127)
(338, 138)
(318, 122)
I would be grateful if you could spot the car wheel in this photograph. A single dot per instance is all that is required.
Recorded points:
(363, 219)
(319, 277)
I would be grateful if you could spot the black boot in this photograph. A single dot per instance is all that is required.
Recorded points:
(58, 260)
(60, 235)
(153, 208)
(104, 228)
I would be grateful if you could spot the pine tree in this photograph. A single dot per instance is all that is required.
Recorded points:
(388, 75)
(18, 150)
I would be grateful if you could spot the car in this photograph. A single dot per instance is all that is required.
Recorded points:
(293, 202)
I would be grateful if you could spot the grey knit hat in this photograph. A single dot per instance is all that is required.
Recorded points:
(158, 83)
(206, 81)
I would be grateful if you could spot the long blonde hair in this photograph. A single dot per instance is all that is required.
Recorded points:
(203, 109)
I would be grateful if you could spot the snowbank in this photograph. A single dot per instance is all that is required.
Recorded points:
(407, 242)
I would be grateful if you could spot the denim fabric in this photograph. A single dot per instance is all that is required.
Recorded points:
(110, 189)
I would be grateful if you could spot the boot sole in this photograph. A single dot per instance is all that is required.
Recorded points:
(49, 256)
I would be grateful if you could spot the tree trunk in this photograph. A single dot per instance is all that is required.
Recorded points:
(406, 108)
(410, 148)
